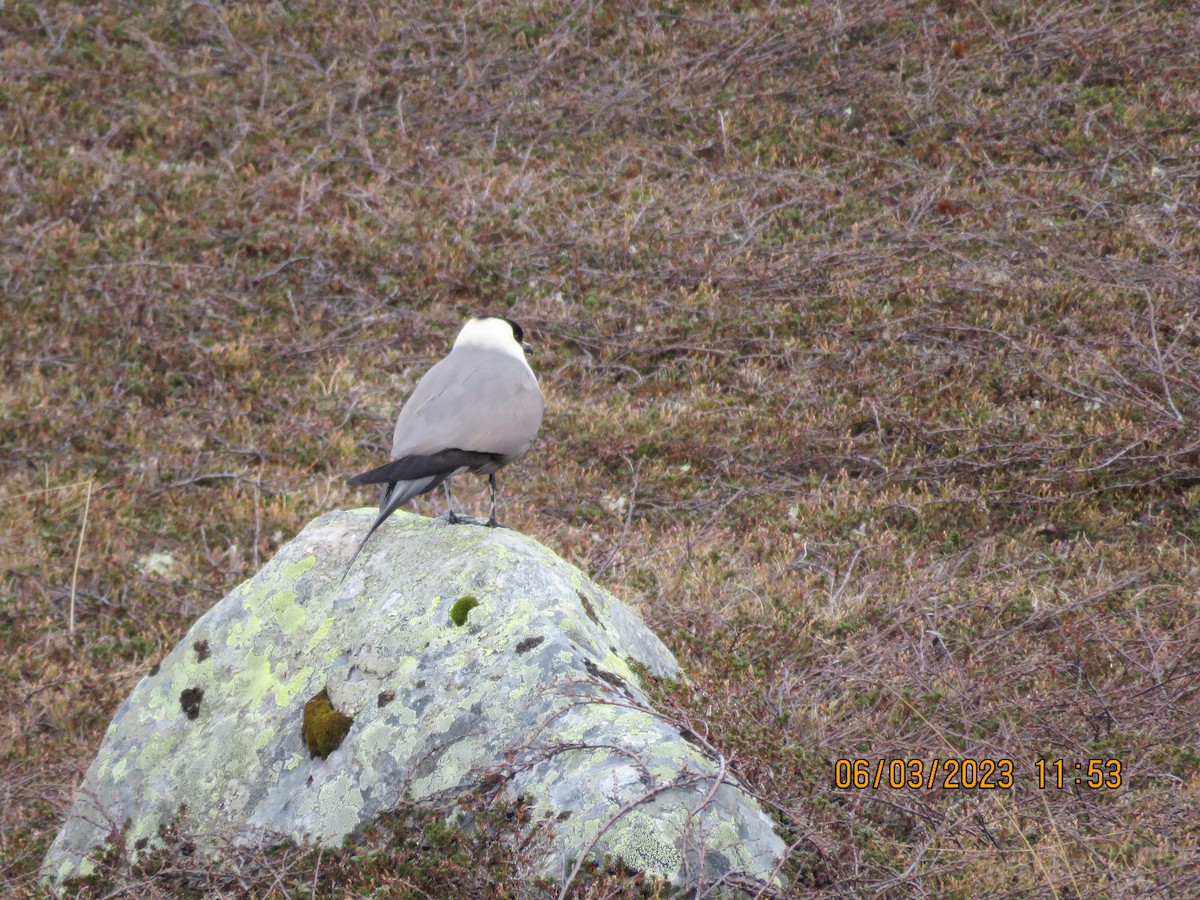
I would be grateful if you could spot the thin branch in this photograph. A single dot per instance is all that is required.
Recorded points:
(87, 505)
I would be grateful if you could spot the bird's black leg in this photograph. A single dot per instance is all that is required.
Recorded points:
(451, 518)
(492, 523)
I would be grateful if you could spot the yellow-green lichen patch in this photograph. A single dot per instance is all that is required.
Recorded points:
(197, 666)
(293, 570)
(255, 679)
(686, 755)
(157, 748)
(258, 590)
(571, 629)
(84, 869)
(242, 634)
(725, 837)
(379, 735)
(461, 609)
(520, 691)
(289, 614)
(618, 666)
(427, 636)
(323, 727)
(272, 594)
(319, 634)
(285, 691)
(449, 770)
(154, 700)
(664, 772)
(574, 726)
(265, 736)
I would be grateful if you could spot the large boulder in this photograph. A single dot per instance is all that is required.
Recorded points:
(302, 706)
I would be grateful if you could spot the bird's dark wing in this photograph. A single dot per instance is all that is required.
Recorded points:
(411, 468)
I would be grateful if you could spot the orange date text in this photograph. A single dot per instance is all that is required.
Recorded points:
(948, 774)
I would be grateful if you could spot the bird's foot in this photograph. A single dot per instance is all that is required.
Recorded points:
(451, 518)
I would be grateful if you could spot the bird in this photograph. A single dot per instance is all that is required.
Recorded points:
(476, 410)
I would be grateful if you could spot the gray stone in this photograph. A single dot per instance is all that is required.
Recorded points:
(534, 688)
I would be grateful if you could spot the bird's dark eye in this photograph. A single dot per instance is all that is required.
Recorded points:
(518, 331)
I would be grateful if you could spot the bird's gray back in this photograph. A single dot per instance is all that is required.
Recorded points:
(480, 400)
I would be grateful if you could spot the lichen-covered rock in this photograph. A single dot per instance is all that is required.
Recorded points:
(459, 657)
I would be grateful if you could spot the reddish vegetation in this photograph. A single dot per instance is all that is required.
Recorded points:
(869, 339)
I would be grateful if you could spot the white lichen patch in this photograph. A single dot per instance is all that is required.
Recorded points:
(534, 685)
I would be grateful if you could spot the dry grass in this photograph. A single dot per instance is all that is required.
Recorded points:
(869, 332)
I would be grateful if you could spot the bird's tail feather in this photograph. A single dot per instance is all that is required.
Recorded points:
(415, 468)
(394, 496)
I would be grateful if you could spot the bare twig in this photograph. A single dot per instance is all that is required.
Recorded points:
(684, 780)
(87, 503)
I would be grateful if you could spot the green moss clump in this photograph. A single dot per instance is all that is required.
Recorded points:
(324, 727)
(462, 606)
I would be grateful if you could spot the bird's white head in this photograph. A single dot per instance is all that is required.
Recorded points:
(495, 334)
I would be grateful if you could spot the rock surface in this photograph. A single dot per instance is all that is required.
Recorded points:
(533, 690)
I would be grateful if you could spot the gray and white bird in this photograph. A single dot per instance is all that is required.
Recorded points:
(477, 410)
